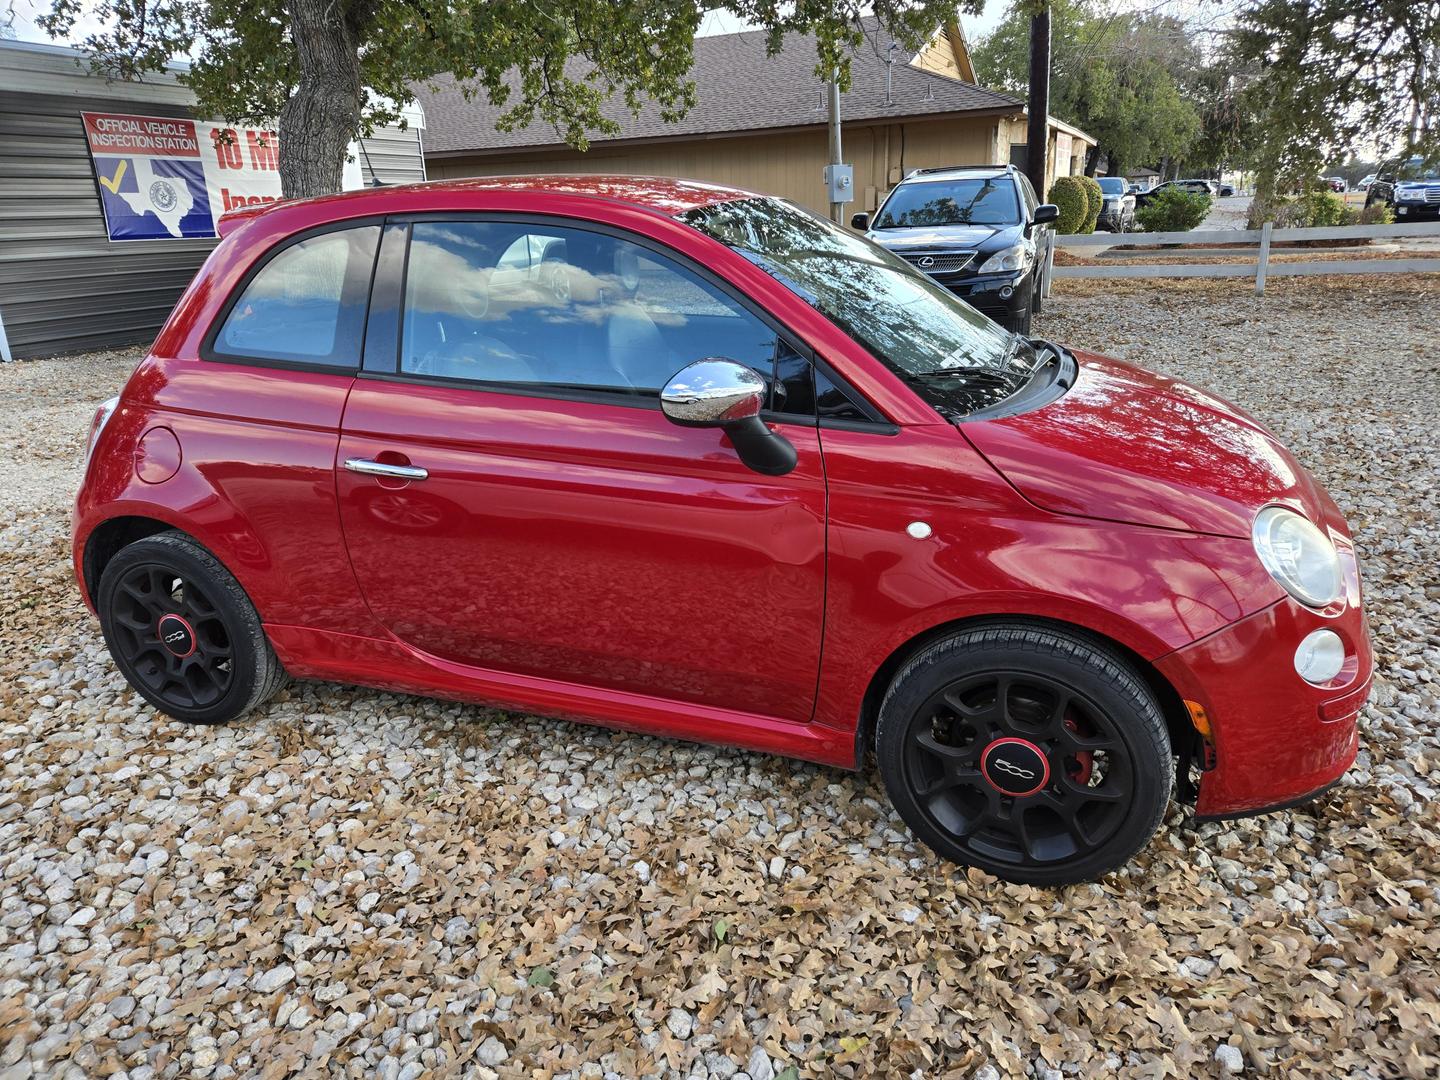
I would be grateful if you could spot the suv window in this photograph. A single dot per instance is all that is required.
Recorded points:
(566, 308)
(307, 303)
(982, 200)
(1027, 190)
(1113, 185)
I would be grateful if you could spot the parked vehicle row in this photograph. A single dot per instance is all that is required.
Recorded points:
(689, 460)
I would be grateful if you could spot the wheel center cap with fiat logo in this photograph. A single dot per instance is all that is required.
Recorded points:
(1015, 767)
(176, 635)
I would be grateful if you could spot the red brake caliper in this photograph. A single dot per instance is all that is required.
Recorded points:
(1084, 759)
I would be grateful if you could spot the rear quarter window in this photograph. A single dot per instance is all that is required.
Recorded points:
(306, 304)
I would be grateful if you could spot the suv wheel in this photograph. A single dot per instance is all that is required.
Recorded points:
(183, 632)
(1030, 753)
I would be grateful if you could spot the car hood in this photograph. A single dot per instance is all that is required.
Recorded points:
(1124, 444)
(941, 236)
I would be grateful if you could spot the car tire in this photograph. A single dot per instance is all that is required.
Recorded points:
(183, 633)
(1035, 754)
(1022, 320)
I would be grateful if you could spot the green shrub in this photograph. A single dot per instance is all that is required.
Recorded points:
(1069, 194)
(1320, 210)
(1263, 210)
(1375, 214)
(1173, 210)
(1096, 200)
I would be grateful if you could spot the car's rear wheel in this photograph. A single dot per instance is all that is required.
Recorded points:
(183, 632)
(1031, 753)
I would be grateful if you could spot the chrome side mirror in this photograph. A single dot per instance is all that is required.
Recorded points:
(717, 392)
(712, 393)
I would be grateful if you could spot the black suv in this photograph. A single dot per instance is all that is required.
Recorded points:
(1411, 188)
(978, 230)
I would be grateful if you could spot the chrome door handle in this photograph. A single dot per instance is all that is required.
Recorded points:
(379, 468)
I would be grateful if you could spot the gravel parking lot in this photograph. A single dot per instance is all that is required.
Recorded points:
(361, 884)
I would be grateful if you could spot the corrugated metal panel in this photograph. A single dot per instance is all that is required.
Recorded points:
(393, 156)
(63, 286)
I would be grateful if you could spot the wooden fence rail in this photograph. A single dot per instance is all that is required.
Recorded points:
(1263, 240)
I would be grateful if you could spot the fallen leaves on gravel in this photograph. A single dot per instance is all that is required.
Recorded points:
(355, 884)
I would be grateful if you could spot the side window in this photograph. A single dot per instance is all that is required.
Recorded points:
(307, 303)
(566, 308)
(1027, 192)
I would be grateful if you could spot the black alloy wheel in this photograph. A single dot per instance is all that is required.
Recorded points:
(183, 632)
(1035, 755)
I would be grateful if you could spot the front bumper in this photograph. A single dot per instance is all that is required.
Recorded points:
(983, 292)
(1277, 739)
(1411, 210)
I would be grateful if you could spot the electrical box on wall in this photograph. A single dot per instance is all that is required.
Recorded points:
(840, 183)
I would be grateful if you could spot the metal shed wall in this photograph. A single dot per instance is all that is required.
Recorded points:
(64, 287)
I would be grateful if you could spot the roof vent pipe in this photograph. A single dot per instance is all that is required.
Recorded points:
(889, 70)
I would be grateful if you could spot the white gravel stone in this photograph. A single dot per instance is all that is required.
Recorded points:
(492, 1052)
(1230, 1059)
(680, 1023)
(267, 982)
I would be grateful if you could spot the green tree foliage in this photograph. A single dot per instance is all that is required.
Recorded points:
(1173, 210)
(1331, 74)
(1068, 194)
(331, 69)
(1116, 75)
(1095, 202)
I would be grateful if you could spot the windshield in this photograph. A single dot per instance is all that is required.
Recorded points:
(1113, 185)
(983, 201)
(958, 359)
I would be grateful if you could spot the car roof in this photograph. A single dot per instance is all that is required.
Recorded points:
(954, 172)
(667, 195)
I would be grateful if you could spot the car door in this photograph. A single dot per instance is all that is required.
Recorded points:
(553, 523)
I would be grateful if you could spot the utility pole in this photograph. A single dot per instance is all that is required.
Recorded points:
(1038, 137)
(832, 102)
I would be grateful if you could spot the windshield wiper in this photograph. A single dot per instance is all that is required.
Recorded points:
(989, 374)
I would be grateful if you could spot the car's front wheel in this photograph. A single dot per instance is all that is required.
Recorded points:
(183, 632)
(1034, 754)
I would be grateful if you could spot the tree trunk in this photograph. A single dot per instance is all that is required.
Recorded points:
(1092, 160)
(323, 116)
(1038, 137)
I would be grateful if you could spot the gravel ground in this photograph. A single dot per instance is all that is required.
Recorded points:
(360, 884)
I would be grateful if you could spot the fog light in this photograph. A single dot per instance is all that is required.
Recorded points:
(1320, 657)
(1006, 293)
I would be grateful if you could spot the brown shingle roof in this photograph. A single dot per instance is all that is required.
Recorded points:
(738, 88)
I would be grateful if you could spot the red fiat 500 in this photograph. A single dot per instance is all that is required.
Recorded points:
(684, 459)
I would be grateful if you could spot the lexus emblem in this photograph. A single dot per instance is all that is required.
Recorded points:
(926, 261)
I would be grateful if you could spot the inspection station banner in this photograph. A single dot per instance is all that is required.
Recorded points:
(168, 178)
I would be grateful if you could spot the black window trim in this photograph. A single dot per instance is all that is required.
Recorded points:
(207, 343)
(877, 421)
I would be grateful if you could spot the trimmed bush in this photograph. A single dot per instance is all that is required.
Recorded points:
(1069, 195)
(1321, 209)
(1173, 210)
(1096, 199)
(1375, 213)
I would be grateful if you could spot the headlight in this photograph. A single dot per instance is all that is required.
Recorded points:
(1410, 194)
(97, 425)
(1298, 556)
(1017, 257)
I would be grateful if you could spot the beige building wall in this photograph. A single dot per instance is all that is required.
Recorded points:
(789, 164)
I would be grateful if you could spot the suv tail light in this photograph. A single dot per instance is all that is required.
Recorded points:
(97, 425)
